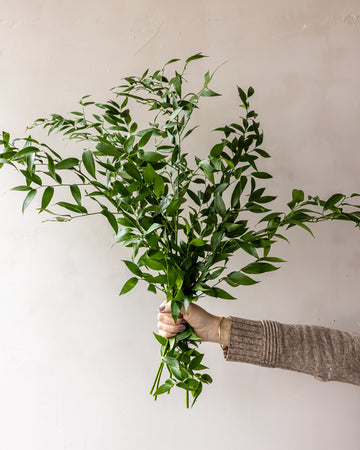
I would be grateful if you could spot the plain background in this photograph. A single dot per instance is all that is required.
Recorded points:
(77, 360)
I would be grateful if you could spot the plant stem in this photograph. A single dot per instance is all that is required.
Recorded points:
(159, 371)
(157, 378)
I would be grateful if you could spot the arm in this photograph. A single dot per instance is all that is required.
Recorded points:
(322, 352)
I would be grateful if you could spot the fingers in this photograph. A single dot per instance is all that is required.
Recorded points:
(167, 327)
(167, 330)
(168, 320)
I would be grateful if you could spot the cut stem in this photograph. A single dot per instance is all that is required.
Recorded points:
(159, 371)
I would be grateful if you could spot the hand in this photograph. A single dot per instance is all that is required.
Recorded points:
(204, 324)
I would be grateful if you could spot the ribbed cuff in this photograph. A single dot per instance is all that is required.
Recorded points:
(253, 341)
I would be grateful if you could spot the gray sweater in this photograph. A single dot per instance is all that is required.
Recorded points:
(322, 352)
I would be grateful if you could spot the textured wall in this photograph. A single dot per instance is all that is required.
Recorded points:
(76, 360)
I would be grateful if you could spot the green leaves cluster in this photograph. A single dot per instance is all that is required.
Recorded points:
(184, 364)
(183, 218)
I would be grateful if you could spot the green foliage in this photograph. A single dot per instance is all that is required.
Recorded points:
(172, 210)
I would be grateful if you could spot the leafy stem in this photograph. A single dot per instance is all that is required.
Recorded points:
(183, 223)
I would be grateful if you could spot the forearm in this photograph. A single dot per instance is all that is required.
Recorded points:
(213, 330)
(322, 352)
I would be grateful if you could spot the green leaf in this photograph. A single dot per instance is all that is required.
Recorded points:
(131, 170)
(242, 94)
(171, 361)
(183, 335)
(259, 267)
(47, 196)
(130, 284)
(216, 240)
(145, 139)
(330, 203)
(194, 57)
(21, 188)
(189, 384)
(153, 227)
(238, 278)
(162, 389)
(171, 61)
(149, 174)
(28, 199)
(250, 91)
(220, 293)
(160, 339)
(205, 378)
(298, 195)
(124, 235)
(206, 92)
(107, 149)
(261, 152)
(67, 163)
(220, 205)
(177, 84)
(235, 197)
(198, 242)
(196, 362)
(153, 264)
(302, 225)
(175, 310)
(197, 393)
(126, 222)
(209, 176)
(111, 219)
(262, 175)
(159, 185)
(150, 156)
(133, 268)
(72, 207)
(89, 163)
(266, 199)
(25, 152)
(248, 248)
(194, 197)
(129, 143)
(174, 206)
(205, 165)
(51, 164)
(75, 192)
(273, 259)
(5, 137)
(270, 216)
(217, 150)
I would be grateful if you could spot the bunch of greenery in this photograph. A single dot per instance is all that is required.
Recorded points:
(183, 217)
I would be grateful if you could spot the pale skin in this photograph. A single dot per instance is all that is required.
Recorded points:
(204, 324)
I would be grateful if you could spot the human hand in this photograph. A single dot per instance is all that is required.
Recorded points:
(204, 324)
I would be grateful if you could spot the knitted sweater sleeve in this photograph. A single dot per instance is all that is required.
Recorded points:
(325, 353)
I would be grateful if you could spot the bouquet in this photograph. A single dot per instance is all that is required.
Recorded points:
(183, 216)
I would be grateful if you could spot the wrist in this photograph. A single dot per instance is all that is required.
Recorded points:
(213, 331)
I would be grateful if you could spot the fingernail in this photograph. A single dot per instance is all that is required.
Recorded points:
(182, 328)
(161, 308)
(184, 321)
(181, 316)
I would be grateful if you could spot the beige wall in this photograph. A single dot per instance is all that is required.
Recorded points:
(77, 361)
